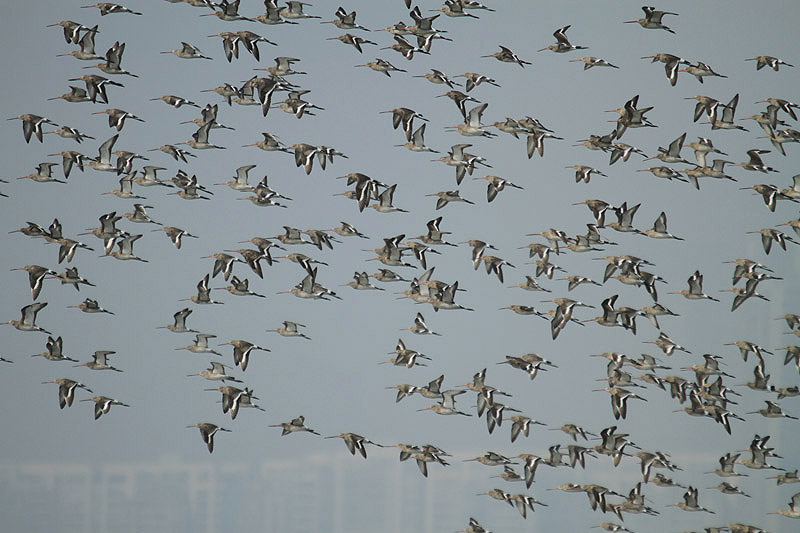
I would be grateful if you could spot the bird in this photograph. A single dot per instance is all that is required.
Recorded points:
(86, 43)
(353, 40)
(32, 229)
(787, 477)
(745, 267)
(294, 10)
(495, 264)
(591, 61)
(512, 127)
(770, 193)
(100, 361)
(90, 306)
(175, 101)
(495, 185)
(471, 127)
(223, 262)
(116, 117)
(187, 51)
(522, 424)
(474, 79)
(507, 55)
(455, 9)
(27, 321)
(199, 140)
(460, 99)
(201, 344)
(659, 229)
(96, 86)
(463, 161)
(584, 173)
(623, 151)
(444, 298)
(32, 126)
(420, 328)
(273, 14)
(690, 502)
(491, 459)
(66, 390)
(728, 488)
(385, 200)
(755, 162)
(139, 215)
(355, 442)
(270, 143)
(102, 405)
(207, 432)
(381, 65)
(361, 282)
(203, 295)
(478, 249)
(671, 62)
(652, 19)
(562, 43)
(667, 345)
(625, 216)
(761, 61)
(124, 244)
(179, 322)
(700, 70)
(525, 310)
(36, 276)
(70, 158)
(792, 320)
(447, 405)
(125, 189)
(71, 30)
(215, 373)
(304, 154)
(727, 464)
(773, 410)
(417, 141)
(43, 174)
(695, 291)
(794, 508)
(446, 197)
(387, 276)
(768, 235)
(345, 20)
(103, 161)
(290, 329)
(672, 154)
(108, 8)
(419, 250)
(725, 120)
(76, 94)
(438, 77)
(241, 352)
(295, 425)
(473, 4)
(113, 61)
(229, 11)
(233, 398)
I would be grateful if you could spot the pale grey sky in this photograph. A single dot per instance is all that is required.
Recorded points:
(141, 460)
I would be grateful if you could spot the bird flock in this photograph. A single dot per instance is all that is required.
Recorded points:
(523, 262)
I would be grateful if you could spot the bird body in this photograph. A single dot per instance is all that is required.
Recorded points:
(207, 432)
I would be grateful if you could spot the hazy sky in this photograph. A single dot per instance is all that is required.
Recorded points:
(67, 463)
